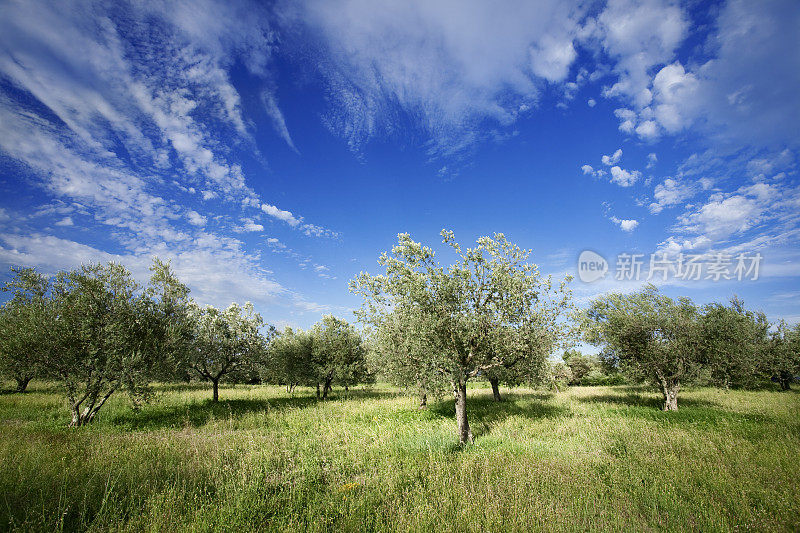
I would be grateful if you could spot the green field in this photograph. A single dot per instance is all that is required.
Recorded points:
(588, 458)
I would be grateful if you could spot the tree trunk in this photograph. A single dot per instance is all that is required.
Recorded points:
(460, 392)
(326, 387)
(495, 388)
(423, 398)
(785, 380)
(22, 383)
(76, 417)
(317, 391)
(215, 383)
(670, 392)
(291, 389)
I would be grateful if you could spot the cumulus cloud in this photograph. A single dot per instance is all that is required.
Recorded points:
(627, 225)
(609, 160)
(639, 35)
(742, 91)
(624, 178)
(196, 219)
(671, 193)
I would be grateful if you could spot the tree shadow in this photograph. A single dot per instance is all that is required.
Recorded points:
(691, 412)
(637, 399)
(484, 413)
(198, 413)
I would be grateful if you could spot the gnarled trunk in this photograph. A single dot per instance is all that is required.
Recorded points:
(460, 392)
(495, 389)
(423, 398)
(327, 387)
(215, 383)
(670, 388)
(22, 384)
(785, 379)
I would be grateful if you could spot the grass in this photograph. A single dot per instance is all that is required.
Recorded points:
(589, 458)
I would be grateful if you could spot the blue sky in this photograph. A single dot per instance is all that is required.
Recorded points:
(272, 151)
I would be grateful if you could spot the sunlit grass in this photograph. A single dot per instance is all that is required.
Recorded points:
(594, 458)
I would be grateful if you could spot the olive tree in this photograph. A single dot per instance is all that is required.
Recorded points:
(289, 359)
(489, 309)
(225, 343)
(24, 320)
(403, 359)
(781, 361)
(103, 337)
(338, 354)
(733, 343)
(579, 364)
(653, 337)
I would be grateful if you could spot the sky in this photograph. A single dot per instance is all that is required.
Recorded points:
(272, 151)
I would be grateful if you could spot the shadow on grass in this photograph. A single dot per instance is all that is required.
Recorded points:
(199, 413)
(484, 413)
(635, 399)
(691, 413)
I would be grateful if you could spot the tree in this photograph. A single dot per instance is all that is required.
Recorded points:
(101, 339)
(781, 361)
(489, 309)
(652, 336)
(580, 365)
(225, 343)
(338, 354)
(559, 375)
(23, 322)
(173, 327)
(733, 343)
(289, 359)
(403, 359)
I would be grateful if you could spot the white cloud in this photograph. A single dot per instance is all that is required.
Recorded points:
(652, 159)
(447, 65)
(724, 216)
(120, 116)
(626, 225)
(280, 214)
(249, 225)
(671, 193)
(624, 178)
(648, 130)
(744, 92)
(65, 222)
(609, 160)
(196, 219)
(639, 35)
(591, 102)
(217, 271)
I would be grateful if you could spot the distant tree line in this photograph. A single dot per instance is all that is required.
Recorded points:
(95, 331)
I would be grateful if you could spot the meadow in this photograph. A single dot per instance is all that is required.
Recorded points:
(585, 458)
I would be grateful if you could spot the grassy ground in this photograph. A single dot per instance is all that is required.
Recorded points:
(602, 458)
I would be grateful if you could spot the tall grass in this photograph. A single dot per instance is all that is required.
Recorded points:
(591, 458)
